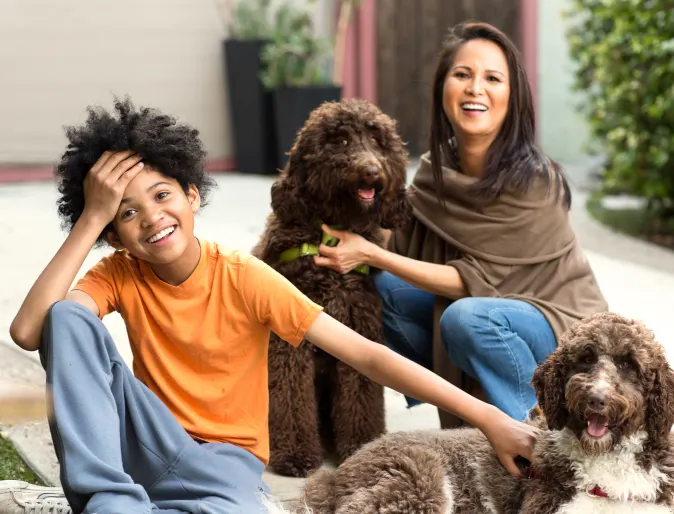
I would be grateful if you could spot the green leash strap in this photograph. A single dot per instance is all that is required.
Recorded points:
(311, 249)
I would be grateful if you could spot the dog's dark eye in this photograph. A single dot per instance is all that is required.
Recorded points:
(587, 357)
(625, 363)
(344, 142)
(374, 141)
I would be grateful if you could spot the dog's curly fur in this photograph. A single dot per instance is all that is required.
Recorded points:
(344, 147)
(605, 365)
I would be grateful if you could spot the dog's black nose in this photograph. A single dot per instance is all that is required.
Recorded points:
(371, 172)
(596, 400)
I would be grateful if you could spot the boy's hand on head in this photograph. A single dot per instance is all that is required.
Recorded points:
(105, 183)
(104, 187)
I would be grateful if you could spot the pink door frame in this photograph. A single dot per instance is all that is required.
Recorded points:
(360, 60)
(360, 54)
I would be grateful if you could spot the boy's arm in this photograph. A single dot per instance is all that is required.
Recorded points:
(276, 303)
(508, 437)
(104, 187)
(53, 283)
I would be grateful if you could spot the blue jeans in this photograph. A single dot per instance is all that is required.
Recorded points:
(119, 447)
(497, 341)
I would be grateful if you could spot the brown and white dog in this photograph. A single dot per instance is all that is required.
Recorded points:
(607, 394)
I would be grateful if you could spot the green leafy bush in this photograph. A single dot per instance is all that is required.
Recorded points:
(295, 56)
(624, 51)
(250, 20)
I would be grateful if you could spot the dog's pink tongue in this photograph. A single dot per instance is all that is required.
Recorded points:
(597, 425)
(366, 193)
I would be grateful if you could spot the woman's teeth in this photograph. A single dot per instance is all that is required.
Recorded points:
(161, 235)
(473, 107)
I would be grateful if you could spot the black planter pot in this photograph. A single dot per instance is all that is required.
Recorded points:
(251, 108)
(292, 106)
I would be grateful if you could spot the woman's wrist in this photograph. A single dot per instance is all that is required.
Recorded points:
(372, 254)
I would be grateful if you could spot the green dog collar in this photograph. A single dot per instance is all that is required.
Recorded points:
(311, 249)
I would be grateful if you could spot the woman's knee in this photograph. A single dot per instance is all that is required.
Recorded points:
(462, 324)
(388, 287)
(384, 283)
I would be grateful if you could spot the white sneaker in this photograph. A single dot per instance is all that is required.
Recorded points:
(18, 497)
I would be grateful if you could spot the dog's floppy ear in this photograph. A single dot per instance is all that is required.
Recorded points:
(549, 381)
(288, 200)
(396, 209)
(396, 212)
(660, 406)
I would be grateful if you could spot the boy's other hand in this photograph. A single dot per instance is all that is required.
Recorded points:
(105, 183)
(510, 439)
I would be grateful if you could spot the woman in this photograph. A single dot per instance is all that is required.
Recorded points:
(490, 233)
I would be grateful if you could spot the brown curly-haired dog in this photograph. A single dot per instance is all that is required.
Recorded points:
(347, 168)
(607, 394)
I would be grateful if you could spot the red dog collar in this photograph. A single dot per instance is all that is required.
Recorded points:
(596, 491)
(599, 492)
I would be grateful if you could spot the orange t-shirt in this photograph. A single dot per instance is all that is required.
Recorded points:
(201, 346)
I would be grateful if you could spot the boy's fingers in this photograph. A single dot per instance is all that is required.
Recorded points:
(511, 467)
(101, 161)
(124, 166)
(129, 174)
(114, 161)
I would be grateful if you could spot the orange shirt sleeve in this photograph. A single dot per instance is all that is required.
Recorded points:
(101, 283)
(272, 300)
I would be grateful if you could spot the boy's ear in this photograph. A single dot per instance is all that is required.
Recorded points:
(194, 197)
(113, 239)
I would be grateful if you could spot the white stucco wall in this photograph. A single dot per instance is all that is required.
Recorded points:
(563, 131)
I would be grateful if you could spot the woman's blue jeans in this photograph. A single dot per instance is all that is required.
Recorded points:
(497, 341)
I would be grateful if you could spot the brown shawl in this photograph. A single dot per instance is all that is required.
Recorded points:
(519, 247)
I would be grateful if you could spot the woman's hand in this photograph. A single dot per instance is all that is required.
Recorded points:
(510, 439)
(351, 251)
(105, 183)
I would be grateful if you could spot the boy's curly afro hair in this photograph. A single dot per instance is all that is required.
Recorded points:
(172, 149)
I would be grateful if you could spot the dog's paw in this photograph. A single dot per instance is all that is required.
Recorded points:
(295, 466)
(345, 451)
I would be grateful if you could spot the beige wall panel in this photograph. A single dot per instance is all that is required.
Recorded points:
(58, 56)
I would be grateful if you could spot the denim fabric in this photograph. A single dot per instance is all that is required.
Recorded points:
(498, 341)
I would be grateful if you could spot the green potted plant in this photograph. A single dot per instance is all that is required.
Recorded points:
(250, 103)
(296, 69)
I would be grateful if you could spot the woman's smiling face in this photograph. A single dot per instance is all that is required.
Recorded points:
(477, 90)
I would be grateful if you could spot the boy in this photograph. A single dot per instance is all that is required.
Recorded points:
(187, 430)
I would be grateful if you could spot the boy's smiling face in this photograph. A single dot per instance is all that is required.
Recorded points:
(155, 223)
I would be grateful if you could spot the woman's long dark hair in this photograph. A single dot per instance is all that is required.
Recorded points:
(513, 160)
